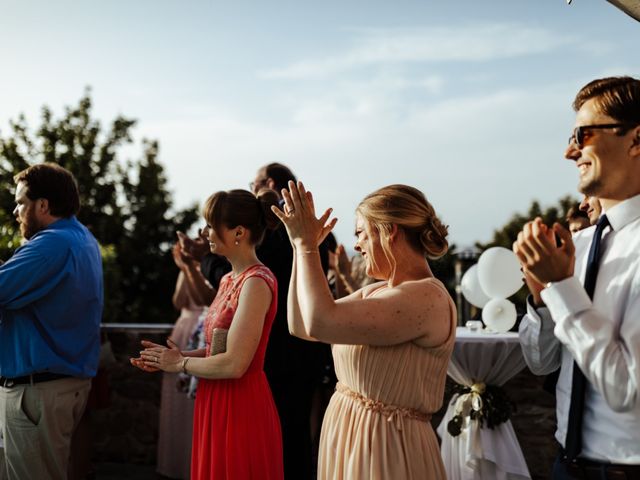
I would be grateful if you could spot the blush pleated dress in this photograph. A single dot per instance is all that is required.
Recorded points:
(377, 425)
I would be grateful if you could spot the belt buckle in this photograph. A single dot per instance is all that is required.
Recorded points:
(573, 467)
(7, 382)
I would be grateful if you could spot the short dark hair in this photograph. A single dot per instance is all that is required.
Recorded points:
(574, 213)
(55, 184)
(617, 97)
(331, 242)
(280, 174)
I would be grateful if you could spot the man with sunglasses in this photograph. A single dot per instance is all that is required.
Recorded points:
(584, 311)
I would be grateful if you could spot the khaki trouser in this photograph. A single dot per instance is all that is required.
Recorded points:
(3, 467)
(37, 422)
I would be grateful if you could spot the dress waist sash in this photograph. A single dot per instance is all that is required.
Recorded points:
(393, 413)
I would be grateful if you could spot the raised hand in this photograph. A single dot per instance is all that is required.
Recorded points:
(179, 256)
(305, 230)
(195, 248)
(541, 258)
(344, 262)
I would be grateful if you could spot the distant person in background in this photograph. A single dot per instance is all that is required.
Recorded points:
(295, 368)
(176, 409)
(591, 206)
(345, 275)
(352, 272)
(338, 289)
(577, 219)
(51, 303)
(202, 289)
(236, 426)
(392, 340)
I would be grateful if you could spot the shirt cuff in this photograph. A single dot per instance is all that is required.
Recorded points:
(566, 297)
(538, 315)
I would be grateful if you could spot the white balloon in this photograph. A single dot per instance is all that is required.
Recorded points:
(499, 272)
(470, 286)
(499, 315)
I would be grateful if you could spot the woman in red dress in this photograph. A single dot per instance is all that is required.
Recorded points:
(236, 430)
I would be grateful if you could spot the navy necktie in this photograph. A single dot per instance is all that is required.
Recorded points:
(573, 444)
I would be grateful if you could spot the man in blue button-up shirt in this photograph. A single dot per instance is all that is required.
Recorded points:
(51, 302)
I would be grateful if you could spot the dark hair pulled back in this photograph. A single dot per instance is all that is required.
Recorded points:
(235, 208)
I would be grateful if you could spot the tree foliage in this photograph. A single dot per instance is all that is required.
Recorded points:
(126, 204)
(507, 234)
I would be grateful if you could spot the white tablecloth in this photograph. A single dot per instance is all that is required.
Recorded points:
(481, 453)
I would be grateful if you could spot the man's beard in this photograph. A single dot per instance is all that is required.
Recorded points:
(29, 228)
(590, 187)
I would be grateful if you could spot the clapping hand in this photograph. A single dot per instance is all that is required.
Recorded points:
(344, 262)
(305, 230)
(542, 259)
(158, 357)
(195, 248)
(139, 362)
(180, 258)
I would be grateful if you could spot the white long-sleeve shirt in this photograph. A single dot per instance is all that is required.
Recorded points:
(603, 336)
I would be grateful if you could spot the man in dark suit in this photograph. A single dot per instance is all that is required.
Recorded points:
(294, 367)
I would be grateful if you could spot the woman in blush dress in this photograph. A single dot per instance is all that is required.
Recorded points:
(236, 430)
(176, 408)
(392, 340)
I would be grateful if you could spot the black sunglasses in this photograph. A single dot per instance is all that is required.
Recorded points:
(579, 132)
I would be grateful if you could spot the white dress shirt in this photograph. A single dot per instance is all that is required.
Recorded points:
(602, 336)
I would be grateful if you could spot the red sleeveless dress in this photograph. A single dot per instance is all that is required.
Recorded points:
(236, 429)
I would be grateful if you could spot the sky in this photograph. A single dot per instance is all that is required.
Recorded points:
(468, 101)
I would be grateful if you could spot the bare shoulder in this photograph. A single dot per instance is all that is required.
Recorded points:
(369, 289)
(429, 290)
(435, 303)
(427, 306)
(256, 288)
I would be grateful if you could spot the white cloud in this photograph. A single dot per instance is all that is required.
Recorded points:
(470, 43)
(478, 158)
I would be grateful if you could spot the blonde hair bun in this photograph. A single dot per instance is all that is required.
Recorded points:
(408, 208)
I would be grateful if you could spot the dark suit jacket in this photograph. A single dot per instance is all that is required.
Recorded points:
(286, 355)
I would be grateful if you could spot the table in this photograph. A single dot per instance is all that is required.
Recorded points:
(479, 452)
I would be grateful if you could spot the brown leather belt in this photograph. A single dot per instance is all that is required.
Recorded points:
(31, 379)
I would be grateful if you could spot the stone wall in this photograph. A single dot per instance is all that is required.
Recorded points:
(126, 431)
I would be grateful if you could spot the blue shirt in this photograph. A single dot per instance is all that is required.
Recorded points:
(51, 302)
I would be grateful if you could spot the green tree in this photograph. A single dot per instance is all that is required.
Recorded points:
(127, 206)
(444, 270)
(507, 234)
